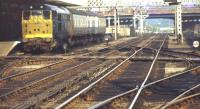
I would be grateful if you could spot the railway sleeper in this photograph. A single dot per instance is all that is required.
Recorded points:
(57, 89)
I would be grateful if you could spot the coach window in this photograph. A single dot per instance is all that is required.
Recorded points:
(46, 14)
(68, 17)
(59, 22)
(54, 14)
(59, 26)
(59, 17)
(26, 15)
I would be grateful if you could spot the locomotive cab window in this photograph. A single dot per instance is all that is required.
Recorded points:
(26, 15)
(59, 17)
(59, 22)
(68, 17)
(46, 14)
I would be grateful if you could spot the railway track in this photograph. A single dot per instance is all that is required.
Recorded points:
(113, 82)
(173, 53)
(25, 81)
(156, 94)
(31, 85)
(60, 99)
(34, 82)
(28, 61)
(19, 65)
(191, 59)
(187, 100)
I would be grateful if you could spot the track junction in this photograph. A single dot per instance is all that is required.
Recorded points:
(141, 73)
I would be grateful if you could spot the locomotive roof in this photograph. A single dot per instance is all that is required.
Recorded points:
(60, 9)
(46, 7)
(80, 12)
(57, 9)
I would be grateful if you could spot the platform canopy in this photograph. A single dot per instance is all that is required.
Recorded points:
(55, 2)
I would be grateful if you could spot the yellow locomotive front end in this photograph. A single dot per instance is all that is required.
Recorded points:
(37, 29)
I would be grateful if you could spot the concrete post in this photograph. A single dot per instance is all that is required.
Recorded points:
(142, 17)
(115, 22)
(109, 22)
(134, 22)
(118, 21)
(141, 25)
(175, 25)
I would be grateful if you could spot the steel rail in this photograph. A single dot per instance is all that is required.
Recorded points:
(179, 97)
(56, 92)
(65, 60)
(35, 82)
(141, 58)
(63, 57)
(177, 102)
(26, 61)
(24, 73)
(135, 89)
(112, 98)
(16, 75)
(189, 60)
(147, 77)
(167, 50)
(100, 79)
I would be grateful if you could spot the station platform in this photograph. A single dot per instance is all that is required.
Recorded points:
(7, 46)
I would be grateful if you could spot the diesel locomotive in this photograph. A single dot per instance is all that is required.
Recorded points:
(47, 27)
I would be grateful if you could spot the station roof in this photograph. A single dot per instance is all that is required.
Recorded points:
(55, 2)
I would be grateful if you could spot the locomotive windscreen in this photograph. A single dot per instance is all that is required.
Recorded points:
(27, 14)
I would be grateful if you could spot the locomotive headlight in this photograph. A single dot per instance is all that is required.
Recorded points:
(196, 44)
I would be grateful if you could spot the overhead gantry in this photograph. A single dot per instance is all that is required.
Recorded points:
(178, 19)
